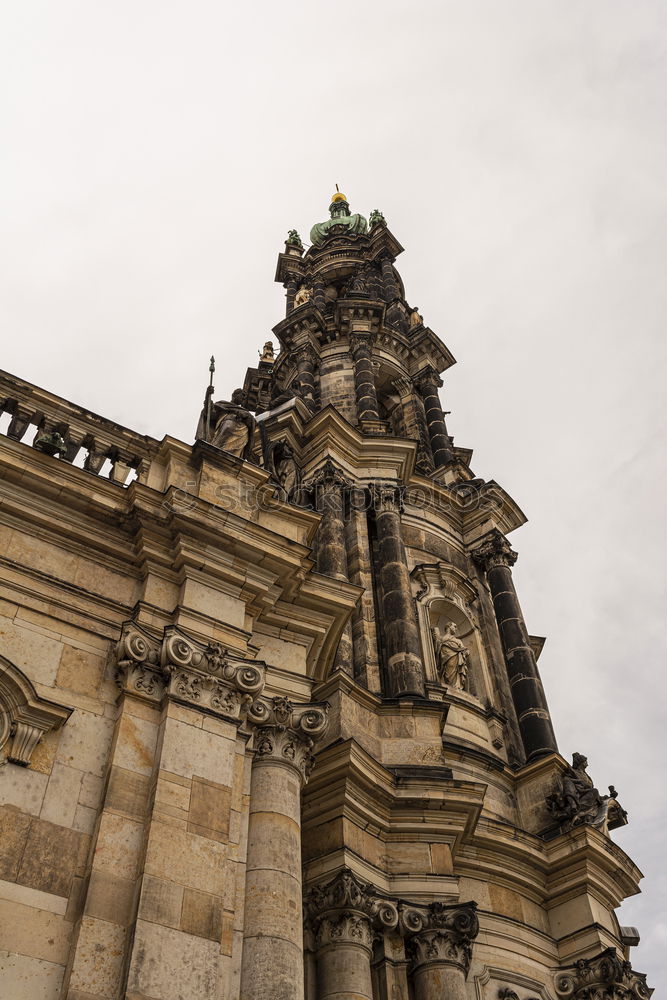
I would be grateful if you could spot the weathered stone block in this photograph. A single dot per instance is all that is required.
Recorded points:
(51, 857)
(202, 914)
(209, 809)
(14, 828)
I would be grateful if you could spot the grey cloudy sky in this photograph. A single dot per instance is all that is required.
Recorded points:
(155, 155)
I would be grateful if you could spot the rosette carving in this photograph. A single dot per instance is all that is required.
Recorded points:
(605, 977)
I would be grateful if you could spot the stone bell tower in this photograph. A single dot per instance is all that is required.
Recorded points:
(271, 720)
(448, 849)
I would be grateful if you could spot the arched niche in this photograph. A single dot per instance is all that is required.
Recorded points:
(443, 594)
(25, 717)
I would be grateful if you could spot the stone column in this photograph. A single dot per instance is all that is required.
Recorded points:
(306, 360)
(389, 280)
(272, 965)
(364, 378)
(428, 383)
(440, 942)
(318, 294)
(330, 488)
(290, 291)
(401, 635)
(345, 914)
(496, 556)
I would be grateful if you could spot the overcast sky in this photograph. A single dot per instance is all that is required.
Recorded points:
(155, 155)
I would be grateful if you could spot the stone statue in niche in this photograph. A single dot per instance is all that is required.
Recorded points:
(452, 657)
(286, 471)
(357, 285)
(227, 424)
(302, 296)
(578, 802)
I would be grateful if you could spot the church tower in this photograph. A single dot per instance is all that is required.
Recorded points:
(271, 720)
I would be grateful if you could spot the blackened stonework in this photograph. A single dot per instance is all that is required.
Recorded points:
(496, 557)
(283, 672)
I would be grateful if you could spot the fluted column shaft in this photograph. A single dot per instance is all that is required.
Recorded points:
(441, 445)
(364, 379)
(272, 965)
(497, 557)
(401, 635)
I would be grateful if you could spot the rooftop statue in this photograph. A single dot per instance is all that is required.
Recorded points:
(339, 210)
(227, 424)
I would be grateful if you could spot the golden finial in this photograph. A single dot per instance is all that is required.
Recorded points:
(339, 196)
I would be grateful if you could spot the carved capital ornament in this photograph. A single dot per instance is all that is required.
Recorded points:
(494, 550)
(605, 977)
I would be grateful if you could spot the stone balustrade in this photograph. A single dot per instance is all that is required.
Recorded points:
(72, 433)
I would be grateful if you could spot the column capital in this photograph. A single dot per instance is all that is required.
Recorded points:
(428, 379)
(605, 975)
(329, 474)
(204, 676)
(349, 909)
(440, 932)
(361, 338)
(286, 732)
(305, 353)
(387, 497)
(494, 550)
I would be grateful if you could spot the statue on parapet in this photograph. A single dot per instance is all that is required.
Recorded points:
(294, 240)
(452, 657)
(579, 803)
(227, 424)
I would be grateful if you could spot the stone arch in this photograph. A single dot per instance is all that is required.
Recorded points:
(25, 717)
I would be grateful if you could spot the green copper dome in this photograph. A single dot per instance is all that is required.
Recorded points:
(339, 210)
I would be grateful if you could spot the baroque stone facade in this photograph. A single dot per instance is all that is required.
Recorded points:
(271, 721)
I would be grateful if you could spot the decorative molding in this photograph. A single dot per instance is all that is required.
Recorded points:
(500, 984)
(439, 579)
(494, 550)
(605, 977)
(25, 717)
